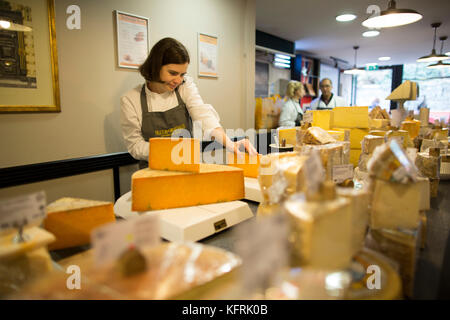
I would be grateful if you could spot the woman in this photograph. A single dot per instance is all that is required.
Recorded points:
(292, 113)
(169, 100)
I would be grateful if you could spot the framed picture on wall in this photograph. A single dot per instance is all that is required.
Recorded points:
(207, 55)
(28, 57)
(132, 40)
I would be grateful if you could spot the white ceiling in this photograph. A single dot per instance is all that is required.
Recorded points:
(311, 24)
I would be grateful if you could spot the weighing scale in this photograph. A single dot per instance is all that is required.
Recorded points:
(190, 223)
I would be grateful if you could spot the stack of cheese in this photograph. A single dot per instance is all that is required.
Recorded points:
(369, 143)
(379, 118)
(332, 152)
(176, 178)
(428, 164)
(399, 199)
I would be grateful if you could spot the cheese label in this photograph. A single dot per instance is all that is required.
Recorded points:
(342, 172)
(111, 240)
(23, 210)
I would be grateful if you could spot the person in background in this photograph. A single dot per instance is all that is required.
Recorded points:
(327, 99)
(167, 101)
(292, 112)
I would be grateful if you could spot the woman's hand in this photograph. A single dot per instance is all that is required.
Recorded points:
(244, 144)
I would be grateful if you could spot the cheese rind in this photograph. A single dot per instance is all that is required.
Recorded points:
(174, 154)
(155, 190)
(351, 117)
(395, 205)
(72, 220)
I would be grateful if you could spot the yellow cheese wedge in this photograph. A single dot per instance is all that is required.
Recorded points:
(174, 154)
(289, 134)
(412, 126)
(155, 189)
(379, 123)
(322, 119)
(321, 235)
(354, 156)
(250, 164)
(395, 205)
(71, 220)
(356, 136)
(351, 117)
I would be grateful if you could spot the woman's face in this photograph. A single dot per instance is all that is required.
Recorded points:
(300, 92)
(173, 74)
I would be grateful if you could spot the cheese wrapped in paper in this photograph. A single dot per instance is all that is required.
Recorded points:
(370, 142)
(395, 205)
(400, 246)
(316, 135)
(155, 189)
(390, 162)
(280, 174)
(429, 166)
(359, 200)
(321, 235)
(330, 154)
(412, 126)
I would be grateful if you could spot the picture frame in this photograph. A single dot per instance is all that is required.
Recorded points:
(207, 51)
(132, 39)
(29, 80)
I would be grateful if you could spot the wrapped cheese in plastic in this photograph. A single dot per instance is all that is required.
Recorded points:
(429, 143)
(370, 142)
(428, 165)
(390, 162)
(317, 135)
(331, 154)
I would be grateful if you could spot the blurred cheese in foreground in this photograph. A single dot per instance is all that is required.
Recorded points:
(321, 232)
(395, 205)
(174, 154)
(331, 154)
(351, 117)
(250, 164)
(155, 189)
(71, 220)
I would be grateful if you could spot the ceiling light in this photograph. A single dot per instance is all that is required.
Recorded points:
(433, 57)
(384, 58)
(371, 33)
(346, 17)
(447, 53)
(5, 24)
(440, 64)
(392, 17)
(354, 70)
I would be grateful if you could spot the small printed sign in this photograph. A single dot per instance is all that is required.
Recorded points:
(342, 172)
(23, 210)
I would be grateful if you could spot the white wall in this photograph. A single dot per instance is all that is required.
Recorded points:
(91, 85)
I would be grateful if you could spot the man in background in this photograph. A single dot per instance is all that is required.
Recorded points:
(327, 99)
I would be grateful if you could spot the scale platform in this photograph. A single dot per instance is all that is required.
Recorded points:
(190, 223)
(252, 190)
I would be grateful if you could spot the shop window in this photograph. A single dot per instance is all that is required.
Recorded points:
(372, 88)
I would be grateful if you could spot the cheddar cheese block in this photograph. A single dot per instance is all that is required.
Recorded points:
(250, 164)
(370, 142)
(72, 220)
(351, 117)
(155, 189)
(356, 136)
(320, 232)
(289, 135)
(174, 154)
(395, 205)
(322, 119)
(412, 126)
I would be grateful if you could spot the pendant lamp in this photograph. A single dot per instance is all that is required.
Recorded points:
(433, 57)
(392, 17)
(440, 64)
(354, 70)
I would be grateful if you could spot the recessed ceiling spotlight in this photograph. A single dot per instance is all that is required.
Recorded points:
(346, 17)
(371, 33)
(384, 58)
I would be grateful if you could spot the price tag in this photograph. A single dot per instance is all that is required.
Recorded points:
(111, 240)
(342, 172)
(308, 117)
(21, 211)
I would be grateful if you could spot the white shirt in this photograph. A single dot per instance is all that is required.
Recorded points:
(131, 113)
(335, 101)
(289, 112)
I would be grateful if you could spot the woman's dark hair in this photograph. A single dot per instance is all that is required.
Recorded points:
(165, 51)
